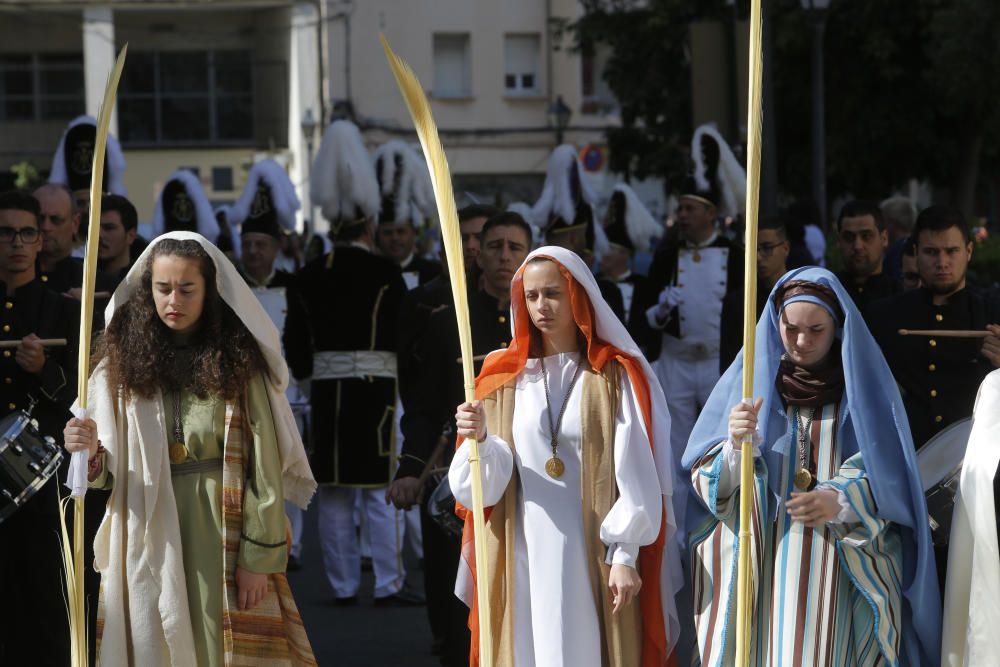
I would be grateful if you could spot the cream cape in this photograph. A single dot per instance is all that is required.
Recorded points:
(972, 612)
(140, 534)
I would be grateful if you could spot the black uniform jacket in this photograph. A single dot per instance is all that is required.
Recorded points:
(436, 386)
(938, 377)
(33, 628)
(876, 288)
(68, 273)
(347, 301)
(425, 269)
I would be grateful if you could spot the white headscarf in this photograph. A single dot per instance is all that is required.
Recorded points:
(138, 546)
(609, 328)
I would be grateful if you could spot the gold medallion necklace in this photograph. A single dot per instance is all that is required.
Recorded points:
(178, 451)
(554, 467)
(804, 478)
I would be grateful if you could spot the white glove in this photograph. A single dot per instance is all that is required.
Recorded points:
(669, 299)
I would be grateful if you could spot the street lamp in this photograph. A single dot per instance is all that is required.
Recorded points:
(816, 10)
(559, 115)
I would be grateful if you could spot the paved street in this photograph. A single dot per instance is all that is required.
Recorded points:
(361, 636)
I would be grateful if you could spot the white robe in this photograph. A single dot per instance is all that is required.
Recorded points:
(555, 619)
(972, 612)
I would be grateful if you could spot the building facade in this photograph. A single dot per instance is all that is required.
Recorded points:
(213, 85)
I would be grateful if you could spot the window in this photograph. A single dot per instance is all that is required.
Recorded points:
(222, 179)
(521, 64)
(597, 95)
(185, 97)
(46, 86)
(451, 65)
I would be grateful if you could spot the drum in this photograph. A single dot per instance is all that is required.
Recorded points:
(27, 460)
(441, 508)
(940, 463)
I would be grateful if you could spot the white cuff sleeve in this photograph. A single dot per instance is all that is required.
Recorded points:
(623, 554)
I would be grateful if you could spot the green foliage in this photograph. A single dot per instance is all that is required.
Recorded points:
(911, 87)
(649, 72)
(25, 175)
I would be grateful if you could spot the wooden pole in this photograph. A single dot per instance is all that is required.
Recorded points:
(73, 559)
(946, 333)
(451, 236)
(45, 342)
(745, 594)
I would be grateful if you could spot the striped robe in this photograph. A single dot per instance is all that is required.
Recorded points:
(829, 596)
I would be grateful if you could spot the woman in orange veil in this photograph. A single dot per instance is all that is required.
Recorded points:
(574, 450)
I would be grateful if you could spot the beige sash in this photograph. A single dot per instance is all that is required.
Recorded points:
(621, 635)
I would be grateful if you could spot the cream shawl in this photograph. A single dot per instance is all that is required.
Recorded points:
(972, 594)
(138, 546)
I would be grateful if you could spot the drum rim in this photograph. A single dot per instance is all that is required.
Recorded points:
(20, 418)
(36, 484)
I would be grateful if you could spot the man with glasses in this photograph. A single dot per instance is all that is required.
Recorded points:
(863, 239)
(35, 630)
(773, 248)
(59, 222)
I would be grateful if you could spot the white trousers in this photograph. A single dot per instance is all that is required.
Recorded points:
(339, 540)
(686, 386)
(294, 513)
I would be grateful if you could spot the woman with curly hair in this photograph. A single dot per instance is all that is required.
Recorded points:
(192, 431)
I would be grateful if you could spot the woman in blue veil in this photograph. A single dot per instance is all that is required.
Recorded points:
(843, 569)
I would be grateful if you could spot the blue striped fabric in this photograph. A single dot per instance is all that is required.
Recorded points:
(829, 596)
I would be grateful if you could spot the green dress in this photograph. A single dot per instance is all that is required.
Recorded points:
(199, 506)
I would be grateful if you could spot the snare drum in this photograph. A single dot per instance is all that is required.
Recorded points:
(940, 463)
(441, 508)
(27, 460)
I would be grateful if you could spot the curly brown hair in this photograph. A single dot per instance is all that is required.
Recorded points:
(143, 359)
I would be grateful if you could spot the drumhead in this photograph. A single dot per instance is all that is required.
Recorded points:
(11, 427)
(944, 453)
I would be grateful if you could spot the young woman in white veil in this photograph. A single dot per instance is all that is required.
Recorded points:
(192, 431)
(575, 451)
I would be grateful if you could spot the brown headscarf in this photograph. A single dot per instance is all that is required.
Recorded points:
(811, 387)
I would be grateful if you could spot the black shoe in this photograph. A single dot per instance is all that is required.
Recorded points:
(351, 601)
(403, 598)
(293, 564)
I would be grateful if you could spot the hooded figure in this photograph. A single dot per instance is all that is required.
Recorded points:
(565, 213)
(72, 164)
(565, 209)
(717, 172)
(569, 500)
(407, 205)
(215, 475)
(844, 569)
(343, 181)
(183, 206)
(269, 195)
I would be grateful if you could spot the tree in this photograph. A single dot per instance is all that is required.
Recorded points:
(911, 90)
(649, 72)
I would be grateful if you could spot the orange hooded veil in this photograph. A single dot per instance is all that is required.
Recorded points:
(606, 340)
